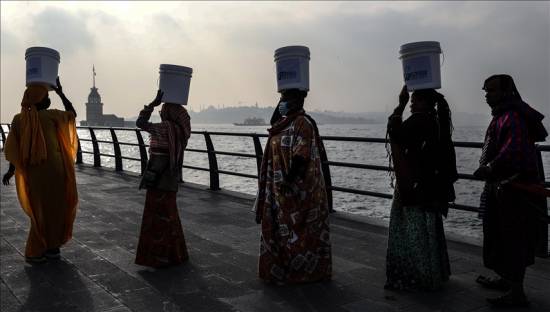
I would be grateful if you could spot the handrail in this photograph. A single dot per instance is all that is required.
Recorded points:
(212, 162)
(97, 158)
(214, 171)
(257, 146)
(118, 154)
(258, 150)
(3, 136)
(142, 151)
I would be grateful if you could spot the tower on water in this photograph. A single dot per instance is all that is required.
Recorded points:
(94, 111)
(94, 107)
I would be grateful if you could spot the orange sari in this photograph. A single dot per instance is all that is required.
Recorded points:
(46, 185)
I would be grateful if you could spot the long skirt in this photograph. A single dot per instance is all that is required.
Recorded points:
(417, 256)
(509, 232)
(53, 214)
(161, 241)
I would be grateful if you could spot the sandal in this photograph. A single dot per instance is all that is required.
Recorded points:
(493, 283)
(52, 254)
(509, 301)
(35, 260)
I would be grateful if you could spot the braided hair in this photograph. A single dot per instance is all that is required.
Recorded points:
(440, 108)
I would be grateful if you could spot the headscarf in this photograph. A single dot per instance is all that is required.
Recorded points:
(33, 145)
(536, 129)
(513, 101)
(177, 119)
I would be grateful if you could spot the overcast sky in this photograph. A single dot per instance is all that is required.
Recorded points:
(354, 50)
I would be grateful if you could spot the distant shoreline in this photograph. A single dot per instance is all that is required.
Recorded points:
(232, 115)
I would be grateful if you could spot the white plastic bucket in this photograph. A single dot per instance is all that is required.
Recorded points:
(421, 65)
(174, 81)
(292, 64)
(42, 66)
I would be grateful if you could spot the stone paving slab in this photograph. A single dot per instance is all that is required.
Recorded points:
(97, 270)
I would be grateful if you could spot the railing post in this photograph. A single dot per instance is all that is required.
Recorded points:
(541, 248)
(78, 152)
(259, 152)
(3, 136)
(142, 151)
(97, 157)
(212, 163)
(116, 148)
(325, 167)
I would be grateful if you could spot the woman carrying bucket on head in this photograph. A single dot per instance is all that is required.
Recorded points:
(423, 158)
(161, 241)
(41, 148)
(292, 205)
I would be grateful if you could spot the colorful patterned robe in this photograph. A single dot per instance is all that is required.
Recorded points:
(510, 215)
(295, 240)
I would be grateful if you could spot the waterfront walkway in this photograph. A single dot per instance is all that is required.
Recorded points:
(97, 273)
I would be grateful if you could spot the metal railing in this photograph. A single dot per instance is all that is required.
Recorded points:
(214, 171)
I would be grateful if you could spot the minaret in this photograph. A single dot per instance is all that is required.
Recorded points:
(94, 107)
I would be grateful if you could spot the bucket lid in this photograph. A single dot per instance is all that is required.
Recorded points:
(292, 50)
(175, 68)
(43, 51)
(423, 46)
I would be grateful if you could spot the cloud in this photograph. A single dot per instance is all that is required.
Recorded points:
(355, 53)
(61, 30)
(167, 22)
(167, 31)
(100, 17)
(9, 43)
(354, 48)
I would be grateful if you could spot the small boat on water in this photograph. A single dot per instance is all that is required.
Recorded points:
(253, 121)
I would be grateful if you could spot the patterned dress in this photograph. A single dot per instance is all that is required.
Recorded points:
(417, 256)
(295, 240)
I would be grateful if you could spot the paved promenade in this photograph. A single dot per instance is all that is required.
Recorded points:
(97, 273)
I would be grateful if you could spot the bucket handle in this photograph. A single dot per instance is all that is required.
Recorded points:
(443, 62)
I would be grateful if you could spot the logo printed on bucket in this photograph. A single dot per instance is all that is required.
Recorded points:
(34, 67)
(417, 75)
(284, 75)
(288, 70)
(418, 70)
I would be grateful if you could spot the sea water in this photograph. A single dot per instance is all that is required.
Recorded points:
(467, 192)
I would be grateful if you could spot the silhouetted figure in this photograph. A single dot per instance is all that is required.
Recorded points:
(292, 200)
(161, 241)
(424, 160)
(41, 148)
(509, 157)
